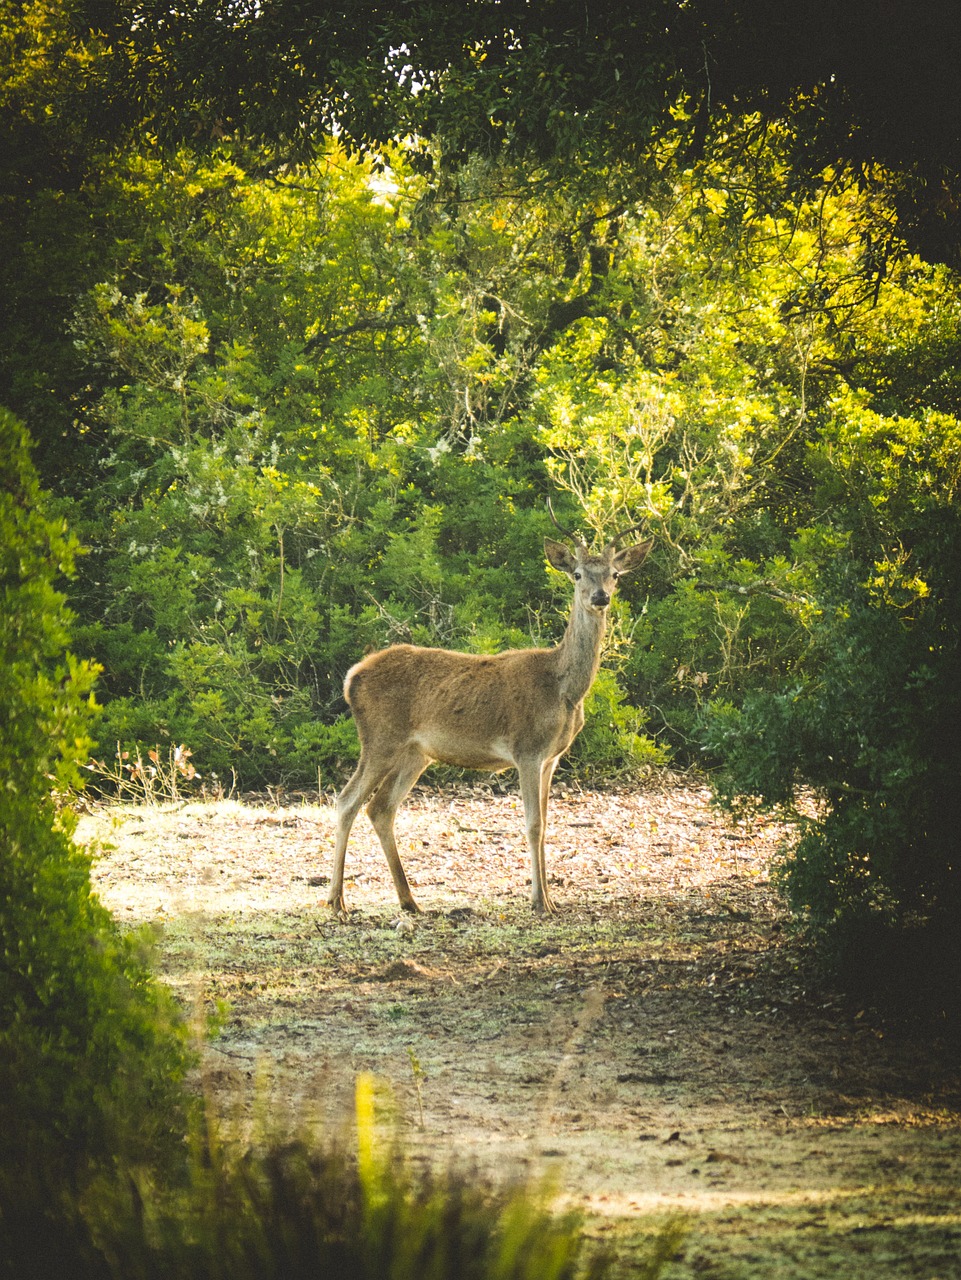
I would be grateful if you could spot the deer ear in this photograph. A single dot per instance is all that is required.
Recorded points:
(560, 555)
(632, 557)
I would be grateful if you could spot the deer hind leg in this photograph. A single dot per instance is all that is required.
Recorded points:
(382, 808)
(535, 778)
(365, 779)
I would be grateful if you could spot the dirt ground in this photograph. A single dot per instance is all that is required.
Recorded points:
(659, 1046)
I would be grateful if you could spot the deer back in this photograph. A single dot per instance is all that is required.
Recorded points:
(459, 707)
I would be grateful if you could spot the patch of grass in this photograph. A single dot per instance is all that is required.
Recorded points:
(885, 1230)
(287, 1209)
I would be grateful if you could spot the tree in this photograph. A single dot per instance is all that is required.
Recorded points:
(865, 87)
(302, 401)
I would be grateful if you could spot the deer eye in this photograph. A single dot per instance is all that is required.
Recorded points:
(616, 574)
(577, 575)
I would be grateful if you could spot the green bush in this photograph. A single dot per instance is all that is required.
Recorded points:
(327, 752)
(874, 730)
(91, 1049)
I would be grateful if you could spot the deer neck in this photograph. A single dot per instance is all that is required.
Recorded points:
(579, 653)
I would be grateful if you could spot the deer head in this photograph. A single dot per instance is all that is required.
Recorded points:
(594, 576)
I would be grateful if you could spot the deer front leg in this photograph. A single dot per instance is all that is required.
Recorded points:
(535, 779)
(363, 781)
(382, 809)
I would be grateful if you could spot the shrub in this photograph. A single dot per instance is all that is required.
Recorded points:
(91, 1050)
(875, 731)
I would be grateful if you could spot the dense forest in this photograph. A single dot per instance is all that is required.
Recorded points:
(307, 315)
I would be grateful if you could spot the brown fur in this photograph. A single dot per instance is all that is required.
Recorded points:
(518, 709)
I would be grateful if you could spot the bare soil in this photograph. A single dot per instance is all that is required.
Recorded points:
(660, 1046)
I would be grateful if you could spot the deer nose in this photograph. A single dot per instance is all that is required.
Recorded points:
(600, 599)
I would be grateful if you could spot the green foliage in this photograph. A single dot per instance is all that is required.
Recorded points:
(322, 462)
(45, 692)
(353, 448)
(624, 93)
(875, 725)
(91, 1050)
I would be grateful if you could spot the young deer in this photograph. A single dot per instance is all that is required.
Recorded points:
(519, 709)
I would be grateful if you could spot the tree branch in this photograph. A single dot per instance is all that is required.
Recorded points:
(321, 341)
(760, 588)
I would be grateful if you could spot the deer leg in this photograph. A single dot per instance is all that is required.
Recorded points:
(382, 809)
(534, 792)
(365, 779)
(547, 773)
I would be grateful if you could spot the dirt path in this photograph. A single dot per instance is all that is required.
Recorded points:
(657, 1043)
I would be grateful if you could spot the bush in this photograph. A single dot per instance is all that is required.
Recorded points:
(875, 730)
(91, 1048)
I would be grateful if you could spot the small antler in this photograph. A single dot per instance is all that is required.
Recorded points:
(560, 528)
(624, 532)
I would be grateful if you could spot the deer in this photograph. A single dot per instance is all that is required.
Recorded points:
(521, 709)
